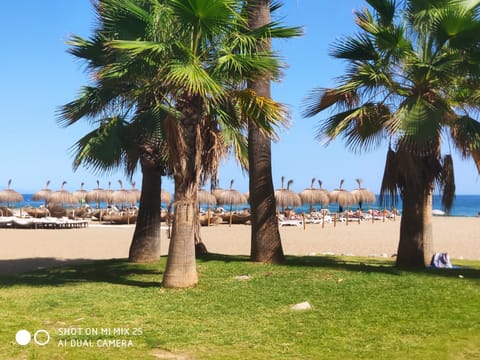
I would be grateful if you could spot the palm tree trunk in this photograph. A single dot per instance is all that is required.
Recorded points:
(415, 248)
(266, 245)
(181, 271)
(145, 246)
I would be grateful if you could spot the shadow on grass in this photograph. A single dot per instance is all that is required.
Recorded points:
(357, 264)
(58, 272)
(121, 272)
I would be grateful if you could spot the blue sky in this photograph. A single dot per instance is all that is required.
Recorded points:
(38, 76)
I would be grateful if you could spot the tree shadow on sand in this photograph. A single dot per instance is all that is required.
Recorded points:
(50, 271)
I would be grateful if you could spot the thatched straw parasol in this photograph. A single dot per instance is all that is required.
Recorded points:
(363, 195)
(342, 197)
(286, 197)
(231, 197)
(123, 196)
(136, 192)
(10, 196)
(62, 196)
(312, 196)
(97, 195)
(165, 197)
(217, 192)
(43, 194)
(81, 193)
(207, 198)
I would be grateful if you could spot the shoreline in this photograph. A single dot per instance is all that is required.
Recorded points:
(30, 249)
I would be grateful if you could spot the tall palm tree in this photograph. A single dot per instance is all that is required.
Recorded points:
(266, 243)
(412, 77)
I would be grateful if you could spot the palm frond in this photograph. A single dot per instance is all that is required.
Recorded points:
(385, 10)
(447, 183)
(275, 30)
(208, 17)
(363, 127)
(320, 99)
(421, 124)
(193, 78)
(368, 127)
(356, 48)
(465, 132)
(453, 24)
(175, 139)
(90, 50)
(389, 188)
(365, 20)
(91, 102)
(102, 150)
(264, 111)
(136, 48)
(243, 67)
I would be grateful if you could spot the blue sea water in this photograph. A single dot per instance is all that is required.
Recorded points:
(464, 205)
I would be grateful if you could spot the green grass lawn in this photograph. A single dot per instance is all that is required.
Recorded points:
(363, 308)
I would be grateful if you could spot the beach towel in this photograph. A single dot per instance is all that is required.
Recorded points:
(441, 260)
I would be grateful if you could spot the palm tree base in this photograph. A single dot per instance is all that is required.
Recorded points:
(415, 248)
(181, 271)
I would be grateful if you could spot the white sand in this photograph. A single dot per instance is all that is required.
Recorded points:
(23, 250)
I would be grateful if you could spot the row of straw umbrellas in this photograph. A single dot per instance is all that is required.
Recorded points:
(287, 198)
(80, 196)
(284, 196)
(96, 195)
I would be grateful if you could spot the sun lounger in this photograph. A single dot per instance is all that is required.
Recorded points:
(20, 223)
(41, 223)
(283, 221)
(291, 223)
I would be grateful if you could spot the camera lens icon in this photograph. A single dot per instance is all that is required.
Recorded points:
(41, 337)
(23, 337)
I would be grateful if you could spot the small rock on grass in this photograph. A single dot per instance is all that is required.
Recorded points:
(242, 277)
(301, 306)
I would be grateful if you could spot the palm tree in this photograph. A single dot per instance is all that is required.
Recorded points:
(412, 78)
(129, 124)
(266, 243)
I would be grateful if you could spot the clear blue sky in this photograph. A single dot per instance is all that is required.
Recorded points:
(38, 76)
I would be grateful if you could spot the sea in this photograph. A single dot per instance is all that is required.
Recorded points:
(464, 205)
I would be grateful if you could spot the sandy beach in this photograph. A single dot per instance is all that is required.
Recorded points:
(24, 250)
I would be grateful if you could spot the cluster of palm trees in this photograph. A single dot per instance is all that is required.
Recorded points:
(178, 84)
(170, 92)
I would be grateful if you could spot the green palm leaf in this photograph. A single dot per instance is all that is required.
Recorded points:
(193, 78)
(102, 150)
